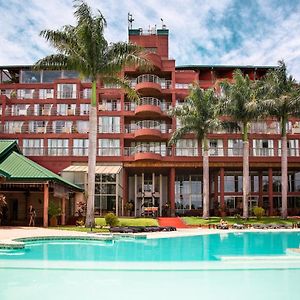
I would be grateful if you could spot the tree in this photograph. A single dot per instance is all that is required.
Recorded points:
(281, 99)
(198, 115)
(83, 48)
(240, 103)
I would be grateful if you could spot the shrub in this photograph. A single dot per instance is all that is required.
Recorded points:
(53, 209)
(258, 212)
(111, 219)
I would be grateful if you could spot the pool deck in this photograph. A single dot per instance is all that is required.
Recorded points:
(8, 235)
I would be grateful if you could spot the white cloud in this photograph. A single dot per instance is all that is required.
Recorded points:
(200, 32)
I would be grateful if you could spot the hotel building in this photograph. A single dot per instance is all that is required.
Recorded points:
(47, 112)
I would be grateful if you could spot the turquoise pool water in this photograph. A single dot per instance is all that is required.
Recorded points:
(228, 266)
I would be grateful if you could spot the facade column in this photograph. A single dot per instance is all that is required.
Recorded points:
(135, 194)
(117, 195)
(153, 189)
(160, 194)
(125, 190)
(63, 211)
(260, 189)
(216, 193)
(222, 189)
(172, 191)
(270, 186)
(46, 204)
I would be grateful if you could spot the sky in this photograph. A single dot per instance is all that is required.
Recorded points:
(213, 32)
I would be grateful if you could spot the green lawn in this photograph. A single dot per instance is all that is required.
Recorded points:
(130, 222)
(81, 229)
(231, 220)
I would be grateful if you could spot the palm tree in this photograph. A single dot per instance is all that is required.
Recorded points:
(239, 102)
(199, 115)
(282, 101)
(83, 48)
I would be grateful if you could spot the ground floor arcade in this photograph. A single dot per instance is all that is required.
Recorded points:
(166, 191)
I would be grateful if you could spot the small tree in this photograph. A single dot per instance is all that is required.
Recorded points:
(111, 219)
(259, 212)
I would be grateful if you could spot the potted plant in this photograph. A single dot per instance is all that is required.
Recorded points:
(129, 208)
(54, 211)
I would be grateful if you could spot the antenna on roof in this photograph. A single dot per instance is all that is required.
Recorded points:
(163, 26)
(130, 20)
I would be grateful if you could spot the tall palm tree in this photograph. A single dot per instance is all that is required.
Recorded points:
(282, 101)
(199, 115)
(240, 103)
(83, 48)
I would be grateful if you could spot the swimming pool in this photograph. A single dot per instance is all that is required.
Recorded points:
(248, 265)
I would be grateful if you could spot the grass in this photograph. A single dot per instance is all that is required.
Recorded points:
(130, 222)
(197, 221)
(80, 229)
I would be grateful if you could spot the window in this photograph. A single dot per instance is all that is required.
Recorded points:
(46, 93)
(263, 148)
(42, 109)
(109, 124)
(293, 147)
(111, 104)
(62, 126)
(80, 147)
(216, 148)
(13, 127)
(187, 147)
(38, 126)
(109, 147)
(154, 147)
(84, 109)
(33, 147)
(235, 147)
(66, 91)
(66, 109)
(50, 76)
(82, 127)
(27, 94)
(58, 147)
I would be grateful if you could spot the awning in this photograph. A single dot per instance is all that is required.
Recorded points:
(106, 169)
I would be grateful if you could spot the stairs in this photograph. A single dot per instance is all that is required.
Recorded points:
(175, 222)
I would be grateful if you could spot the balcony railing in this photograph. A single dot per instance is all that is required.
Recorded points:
(148, 124)
(164, 83)
(186, 151)
(163, 151)
(164, 106)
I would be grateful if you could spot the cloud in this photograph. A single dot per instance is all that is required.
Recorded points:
(256, 32)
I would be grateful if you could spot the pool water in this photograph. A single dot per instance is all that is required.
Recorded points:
(228, 266)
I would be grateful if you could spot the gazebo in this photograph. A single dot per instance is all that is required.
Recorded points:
(24, 183)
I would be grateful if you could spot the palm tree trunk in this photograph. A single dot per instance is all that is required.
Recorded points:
(205, 179)
(284, 175)
(245, 171)
(90, 220)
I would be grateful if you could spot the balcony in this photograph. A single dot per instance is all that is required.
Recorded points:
(146, 152)
(148, 129)
(148, 105)
(149, 83)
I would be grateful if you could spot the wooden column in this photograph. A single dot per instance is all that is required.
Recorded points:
(63, 211)
(46, 204)
(160, 194)
(117, 195)
(222, 188)
(270, 177)
(172, 191)
(135, 194)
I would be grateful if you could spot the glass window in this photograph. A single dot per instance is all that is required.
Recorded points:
(80, 147)
(216, 148)
(109, 147)
(50, 76)
(109, 124)
(235, 147)
(84, 109)
(111, 104)
(82, 127)
(38, 126)
(187, 147)
(58, 147)
(66, 91)
(32, 147)
(30, 76)
(263, 147)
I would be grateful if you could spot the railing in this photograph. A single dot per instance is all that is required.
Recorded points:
(183, 86)
(262, 152)
(148, 124)
(163, 151)
(109, 151)
(185, 151)
(164, 106)
(164, 83)
(67, 95)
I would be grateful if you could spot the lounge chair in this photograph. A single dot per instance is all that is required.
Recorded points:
(222, 227)
(259, 226)
(238, 226)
